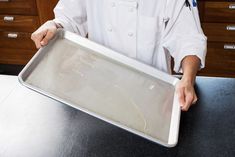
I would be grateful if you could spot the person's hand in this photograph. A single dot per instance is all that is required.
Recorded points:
(44, 34)
(186, 94)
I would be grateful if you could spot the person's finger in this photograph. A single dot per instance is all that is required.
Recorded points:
(49, 35)
(188, 101)
(181, 96)
(34, 38)
(38, 37)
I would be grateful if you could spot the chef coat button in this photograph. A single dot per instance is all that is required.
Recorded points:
(131, 9)
(110, 29)
(113, 4)
(130, 34)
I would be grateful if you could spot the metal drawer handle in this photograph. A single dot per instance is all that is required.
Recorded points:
(12, 35)
(231, 28)
(229, 47)
(4, 0)
(232, 6)
(8, 18)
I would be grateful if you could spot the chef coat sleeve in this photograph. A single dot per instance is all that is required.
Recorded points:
(186, 38)
(71, 14)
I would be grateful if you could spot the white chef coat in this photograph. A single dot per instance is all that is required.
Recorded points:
(150, 31)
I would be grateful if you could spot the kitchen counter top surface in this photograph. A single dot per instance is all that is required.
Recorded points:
(34, 125)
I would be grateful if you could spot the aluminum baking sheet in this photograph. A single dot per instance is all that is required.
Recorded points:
(107, 85)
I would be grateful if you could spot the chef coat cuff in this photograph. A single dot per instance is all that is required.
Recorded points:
(64, 24)
(200, 53)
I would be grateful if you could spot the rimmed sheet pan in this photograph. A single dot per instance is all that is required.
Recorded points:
(107, 85)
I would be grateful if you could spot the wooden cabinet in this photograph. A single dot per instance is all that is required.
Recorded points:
(18, 19)
(218, 23)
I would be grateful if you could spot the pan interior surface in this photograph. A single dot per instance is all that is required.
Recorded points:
(106, 88)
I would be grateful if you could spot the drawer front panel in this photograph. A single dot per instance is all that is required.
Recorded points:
(222, 32)
(19, 23)
(219, 12)
(22, 7)
(18, 40)
(220, 59)
(15, 56)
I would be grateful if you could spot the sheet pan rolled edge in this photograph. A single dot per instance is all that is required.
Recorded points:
(129, 62)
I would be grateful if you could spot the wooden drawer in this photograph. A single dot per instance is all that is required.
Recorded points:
(21, 7)
(15, 56)
(19, 23)
(220, 61)
(18, 40)
(223, 32)
(219, 12)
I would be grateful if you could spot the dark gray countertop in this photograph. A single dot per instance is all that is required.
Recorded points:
(33, 125)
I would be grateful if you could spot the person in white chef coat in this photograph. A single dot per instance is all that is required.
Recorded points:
(151, 31)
